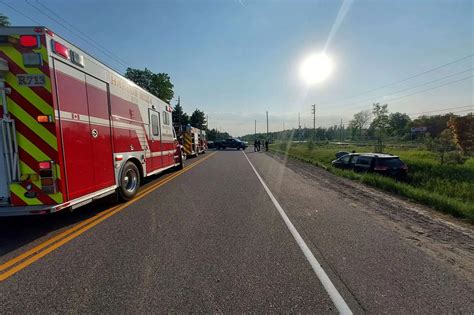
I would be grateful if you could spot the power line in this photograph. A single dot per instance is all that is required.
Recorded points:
(408, 78)
(433, 88)
(79, 31)
(409, 88)
(445, 112)
(440, 110)
(418, 92)
(73, 32)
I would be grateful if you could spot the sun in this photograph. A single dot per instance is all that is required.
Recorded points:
(316, 68)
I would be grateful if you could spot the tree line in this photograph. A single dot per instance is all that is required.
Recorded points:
(450, 136)
(160, 85)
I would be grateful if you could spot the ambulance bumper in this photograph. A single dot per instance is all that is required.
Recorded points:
(13, 211)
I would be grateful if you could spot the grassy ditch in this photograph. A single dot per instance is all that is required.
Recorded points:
(447, 188)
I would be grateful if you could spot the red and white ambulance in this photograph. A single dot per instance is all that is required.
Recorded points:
(71, 128)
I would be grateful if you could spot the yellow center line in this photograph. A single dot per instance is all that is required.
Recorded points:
(66, 236)
(36, 249)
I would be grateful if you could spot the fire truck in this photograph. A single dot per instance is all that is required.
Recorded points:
(194, 140)
(72, 129)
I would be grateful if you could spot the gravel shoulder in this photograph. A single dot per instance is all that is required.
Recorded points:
(441, 236)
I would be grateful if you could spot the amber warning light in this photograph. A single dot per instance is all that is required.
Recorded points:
(44, 118)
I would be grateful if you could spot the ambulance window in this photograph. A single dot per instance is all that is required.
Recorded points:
(155, 125)
(166, 118)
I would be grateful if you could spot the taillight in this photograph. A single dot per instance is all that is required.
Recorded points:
(29, 41)
(404, 167)
(60, 49)
(47, 177)
(46, 165)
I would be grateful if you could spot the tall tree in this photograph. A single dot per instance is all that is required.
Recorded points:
(399, 123)
(180, 118)
(463, 131)
(158, 84)
(4, 20)
(198, 119)
(380, 124)
(214, 134)
(162, 82)
(360, 121)
(434, 124)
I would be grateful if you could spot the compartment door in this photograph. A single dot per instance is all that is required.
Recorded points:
(100, 131)
(156, 149)
(73, 108)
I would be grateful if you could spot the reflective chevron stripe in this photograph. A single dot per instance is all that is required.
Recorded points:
(187, 144)
(36, 141)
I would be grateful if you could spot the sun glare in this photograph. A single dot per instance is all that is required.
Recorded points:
(316, 68)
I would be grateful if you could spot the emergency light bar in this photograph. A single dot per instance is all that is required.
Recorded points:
(31, 41)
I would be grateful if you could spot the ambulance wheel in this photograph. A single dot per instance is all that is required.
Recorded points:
(129, 182)
(181, 162)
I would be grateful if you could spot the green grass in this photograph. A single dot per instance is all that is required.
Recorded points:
(447, 188)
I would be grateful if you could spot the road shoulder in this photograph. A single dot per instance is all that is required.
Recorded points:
(375, 235)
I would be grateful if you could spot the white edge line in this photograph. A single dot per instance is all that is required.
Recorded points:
(335, 296)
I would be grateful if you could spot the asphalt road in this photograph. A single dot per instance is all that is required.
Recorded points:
(212, 240)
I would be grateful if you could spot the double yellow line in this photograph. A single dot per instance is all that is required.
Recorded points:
(22, 261)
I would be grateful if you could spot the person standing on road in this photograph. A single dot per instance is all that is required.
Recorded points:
(255, 145)
(266, 144)
(258, 145)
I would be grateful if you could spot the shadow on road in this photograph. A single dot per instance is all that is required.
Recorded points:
(16, 232)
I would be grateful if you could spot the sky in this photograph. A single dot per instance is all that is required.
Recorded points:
(237, 59)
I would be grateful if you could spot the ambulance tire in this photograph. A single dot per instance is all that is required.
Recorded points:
(181, 162)
(129, 182)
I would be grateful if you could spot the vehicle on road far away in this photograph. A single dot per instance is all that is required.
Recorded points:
(384, 164)
(230, 143)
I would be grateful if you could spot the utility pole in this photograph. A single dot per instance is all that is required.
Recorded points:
(255, 134)
(341, 127)
(299, 127)
(267, 124)
(179, 118)
(314, 116)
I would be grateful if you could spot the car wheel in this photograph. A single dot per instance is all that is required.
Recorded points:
(129, 182)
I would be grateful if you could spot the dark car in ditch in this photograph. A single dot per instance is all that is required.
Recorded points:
(384, 164)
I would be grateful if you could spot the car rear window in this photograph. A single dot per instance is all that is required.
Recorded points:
(389, 162)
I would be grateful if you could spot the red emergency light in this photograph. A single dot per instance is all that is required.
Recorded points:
(44, 165)
(29, 40)
(60, 49)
